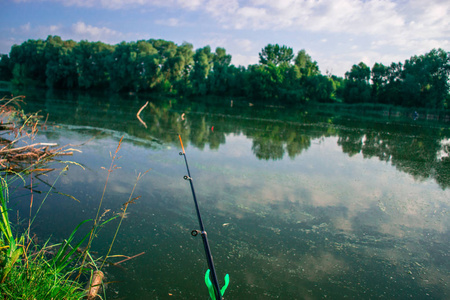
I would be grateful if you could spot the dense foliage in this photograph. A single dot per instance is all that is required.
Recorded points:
(422, 81)
(163, 66)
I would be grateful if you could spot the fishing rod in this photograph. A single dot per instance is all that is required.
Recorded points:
(211, 276)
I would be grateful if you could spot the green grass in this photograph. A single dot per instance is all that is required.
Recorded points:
(35, 278)
(29, 271)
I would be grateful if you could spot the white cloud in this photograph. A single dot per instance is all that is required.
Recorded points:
(30, 30)
(250, 18)
(350, 16)
(413, 19)
(82, 3)
(220, 10)
(245, 44)
(215, 42)
(6, 44)
(172, 22)
(191, 4)
(244, 60)
(77, 31)
(128, 4)
(52, 29)
(93, 33)
(25, 27)
(410, 18)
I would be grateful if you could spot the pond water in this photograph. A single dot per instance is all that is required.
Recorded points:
(297, 204)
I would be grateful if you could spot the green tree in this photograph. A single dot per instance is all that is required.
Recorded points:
(319, 88)
(127, 65)
(5, 68)
(276, 55)
(338, 88)
(379, 74)
(292, 88)
(265, 81)
(219, 79)
(357, 87)
(360, 72)
(91, 61)
(203, 62)
(238, 80)
(306, 66)
(426, 79)
(180, 66)
(393, 88)
(28, 63)
(60, 70)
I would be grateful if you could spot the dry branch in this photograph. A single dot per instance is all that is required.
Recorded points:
(139, 112)
(20, 153)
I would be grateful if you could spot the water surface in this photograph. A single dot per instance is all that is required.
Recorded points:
(297, 204)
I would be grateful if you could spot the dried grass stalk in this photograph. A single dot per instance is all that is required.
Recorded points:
(18, 152)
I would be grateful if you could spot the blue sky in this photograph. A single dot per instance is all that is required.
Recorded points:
(336, 33)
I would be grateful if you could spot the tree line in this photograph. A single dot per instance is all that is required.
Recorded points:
(161, 66)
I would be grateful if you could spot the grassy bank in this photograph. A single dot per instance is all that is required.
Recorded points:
(29, 270)
(32, 270)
